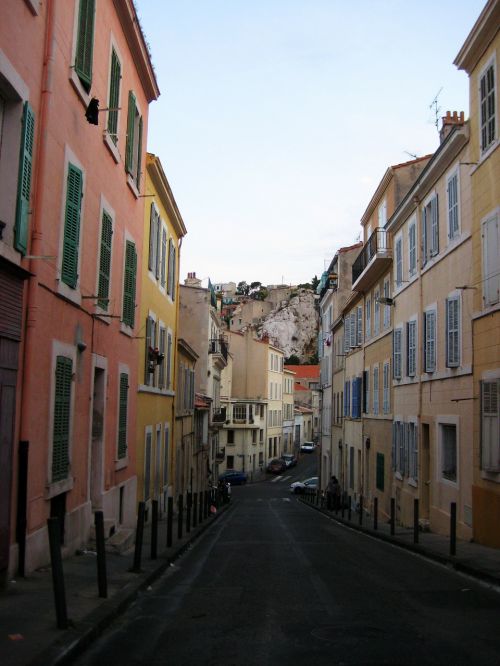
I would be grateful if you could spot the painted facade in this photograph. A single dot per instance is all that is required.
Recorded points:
(158, 315)
(83, 242)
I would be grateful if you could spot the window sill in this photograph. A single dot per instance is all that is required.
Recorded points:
(132, 185)
(126, 330)
(111, 146)
(144, 388)
(494, 477)
(69, 293)
(484, 156)
(102, 315)
(413, 482)
(58, 487)
(79, 89)
(121, 464)
(34, 6)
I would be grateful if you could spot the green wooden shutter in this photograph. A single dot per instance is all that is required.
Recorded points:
(24, 180)
(129, 148)
(129, 284)
(105, 260)
(85, 42)
(69, 269)
(122, 416)
(114, 96)
(62, 407)
(139, 155)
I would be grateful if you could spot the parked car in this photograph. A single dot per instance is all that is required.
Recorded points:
(308, 447)
(290, 459)
(299, 487)
(276, 466)
(234, 477)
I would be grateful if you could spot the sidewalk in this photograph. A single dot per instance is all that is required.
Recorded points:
(472, 559)
(28, 625)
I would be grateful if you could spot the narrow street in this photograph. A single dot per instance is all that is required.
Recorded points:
(275, 582)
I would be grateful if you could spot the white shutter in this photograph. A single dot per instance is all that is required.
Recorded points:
(397, 336)
(435, 226)
(360, 326)
(452, 332)
(412, 348)
(491, 261)
(412, 249)
(352, 327)
(347, 333)
(430, 341)
(490, 430)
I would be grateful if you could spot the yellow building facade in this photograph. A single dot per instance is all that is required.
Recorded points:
(480, 58)
(158, 316)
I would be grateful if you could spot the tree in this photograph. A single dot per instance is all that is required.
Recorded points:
(292, 360)
(243, 289)
(314, 282)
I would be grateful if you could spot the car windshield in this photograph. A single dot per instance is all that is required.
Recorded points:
(314, 479)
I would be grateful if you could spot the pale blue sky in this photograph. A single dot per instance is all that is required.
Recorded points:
(278, 118)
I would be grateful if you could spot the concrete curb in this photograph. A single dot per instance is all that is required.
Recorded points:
(447, 560)
(76, 639)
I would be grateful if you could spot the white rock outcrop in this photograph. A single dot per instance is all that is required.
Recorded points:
(293, 326)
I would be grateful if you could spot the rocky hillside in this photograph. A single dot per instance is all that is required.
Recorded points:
(293, 325)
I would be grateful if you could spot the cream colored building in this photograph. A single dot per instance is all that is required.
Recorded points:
(480, 58)
(288, 416)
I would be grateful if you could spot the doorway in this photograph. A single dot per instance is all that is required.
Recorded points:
(425, 472)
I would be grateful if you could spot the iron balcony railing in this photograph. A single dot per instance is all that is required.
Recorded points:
(378, 242)
(218, 346)
(219, 415)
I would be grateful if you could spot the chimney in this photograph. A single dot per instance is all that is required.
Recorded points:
(192, 280)
(450, 121)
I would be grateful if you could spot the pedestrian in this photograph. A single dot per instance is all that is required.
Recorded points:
(332, 494)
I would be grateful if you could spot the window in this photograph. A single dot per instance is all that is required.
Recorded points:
(62, 414)
(487, 106)
(491, 259)
(162, 351)
(230, 436)
(368, 318)
(85, 43)
(123, 416)
(375, 389)
(149, 351)
(452, 195)
(490, 422)
(397, 353)
(359, 325)
(105, 260)
(347, 333)
(386, 397)
(411, 342)
(128, 313)
(366, 391)
(382, 214)
(169, 362)
(453, 332)
(405, 449)
(379, 482)
(412, 248)
(448, 451)
(399, 260)
(430, 341)
(356, 398)
(239, 412)
(430, 230)
(114, 96)
(376, 314)
(171, 269)
(347, 398)
(71, 241)
(163, 260)
(133, 148)
(387, 308)
(412, 450)
(154, 241)
(24, 180)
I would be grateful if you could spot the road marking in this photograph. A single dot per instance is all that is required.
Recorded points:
(276, 478)
(284, 478)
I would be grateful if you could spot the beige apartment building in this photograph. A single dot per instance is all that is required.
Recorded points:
(480, 58)
(288, 417)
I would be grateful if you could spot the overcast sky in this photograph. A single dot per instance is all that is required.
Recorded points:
(278, 118)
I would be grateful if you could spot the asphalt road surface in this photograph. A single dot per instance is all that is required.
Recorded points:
(275, 582)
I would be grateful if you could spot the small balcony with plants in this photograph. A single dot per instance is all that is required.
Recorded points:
(372, 261)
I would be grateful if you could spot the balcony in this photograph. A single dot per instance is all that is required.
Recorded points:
(372, 261)
(219, 415)
(219, 347)
(220, 455)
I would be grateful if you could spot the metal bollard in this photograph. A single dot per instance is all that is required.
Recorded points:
(375, 513)
(154, 529)
(361, 509)
(54, 528)
(139, 535)
(393, 516)
(415, 520)
(170, 519)
(188, 512)
(453, 528)
(195, 509)
(180, 516)
(102, 582)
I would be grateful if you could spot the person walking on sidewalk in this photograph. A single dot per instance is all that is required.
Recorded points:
(332, 494)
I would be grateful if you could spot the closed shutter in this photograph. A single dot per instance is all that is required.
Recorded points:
(491, 260)
(149, 326)
(347, 333)
(85, 42)
(174, 271)
(452, 332)
(490, 425)
(169, 360)
(162, 350)
(375, 390)
(360, 326)
(397, 336)
(399, 261)
(366, 391)
(69, 269)
(24, 180)
(11, 306)
(394, 446)
(434, 225)
(114, 96)
(163, 257)
(424, 236)
(147, 467)
(453, 206)
(411, 348)
(62, 413)
(412, 249)
(129, 284)
(153, 223)
(122, 416)
(430, 341)
(355, 399)
(105, 260)
(129, 146)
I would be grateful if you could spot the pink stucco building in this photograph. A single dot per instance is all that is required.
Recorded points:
(75, 235)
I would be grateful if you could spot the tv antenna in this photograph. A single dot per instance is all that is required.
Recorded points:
(413, 155)
(436, 108)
